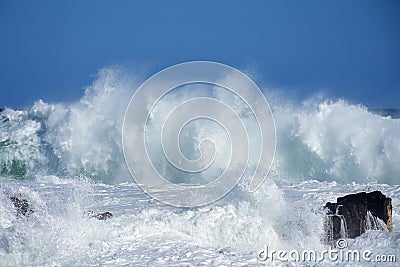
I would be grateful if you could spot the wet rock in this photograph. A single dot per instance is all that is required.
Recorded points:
(21, 205)
(353, 214)
(100, 216)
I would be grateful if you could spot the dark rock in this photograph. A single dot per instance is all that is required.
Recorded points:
(104, 216)
(100, 216)
(21, 205)
(353, 214)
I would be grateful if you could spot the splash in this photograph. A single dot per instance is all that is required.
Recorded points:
(67, 158)
(337, 141)
(317, 140)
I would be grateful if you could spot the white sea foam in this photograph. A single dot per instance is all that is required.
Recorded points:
(320, 139)
(68, 160)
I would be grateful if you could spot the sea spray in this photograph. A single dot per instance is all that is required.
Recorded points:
(321, 140)
(72, 162)
(337, 141)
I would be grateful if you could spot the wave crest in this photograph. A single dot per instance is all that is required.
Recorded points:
(318, 140)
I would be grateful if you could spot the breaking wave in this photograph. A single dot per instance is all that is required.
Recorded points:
(316, 140)
(66, 159)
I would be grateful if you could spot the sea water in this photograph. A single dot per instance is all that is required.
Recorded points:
(66, 159)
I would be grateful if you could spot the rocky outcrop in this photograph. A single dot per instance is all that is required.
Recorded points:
(100, 216)
(22, 207)
(353, 214)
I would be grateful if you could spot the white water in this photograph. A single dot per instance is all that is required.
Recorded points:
(66, 159)
(374, 223)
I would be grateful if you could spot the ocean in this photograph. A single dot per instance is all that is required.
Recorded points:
(66, 159)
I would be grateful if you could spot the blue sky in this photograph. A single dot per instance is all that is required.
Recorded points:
(348, 49)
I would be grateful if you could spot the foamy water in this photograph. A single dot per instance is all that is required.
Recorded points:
(66, 159)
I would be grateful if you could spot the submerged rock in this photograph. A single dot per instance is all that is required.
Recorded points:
(22, 208)
(21, 205)
(100, 216)
(353, 214)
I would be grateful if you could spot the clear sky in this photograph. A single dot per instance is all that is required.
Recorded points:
(348, 49)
